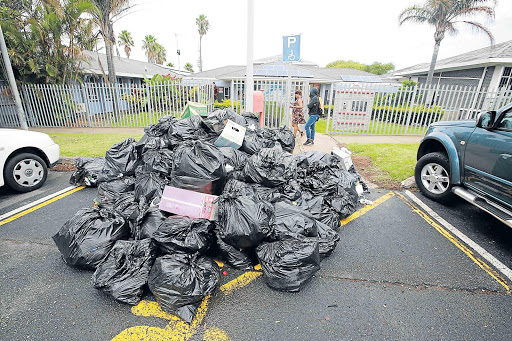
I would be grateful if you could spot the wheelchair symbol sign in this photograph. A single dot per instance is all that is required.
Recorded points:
(291, 48)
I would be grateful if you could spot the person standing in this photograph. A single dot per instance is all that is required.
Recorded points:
(297, 113)
(314, 115)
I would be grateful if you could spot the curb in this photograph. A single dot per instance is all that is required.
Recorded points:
(408, 183)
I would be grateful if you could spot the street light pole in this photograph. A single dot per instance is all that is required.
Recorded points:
(178, 52)
(249, 78)
(12, 82)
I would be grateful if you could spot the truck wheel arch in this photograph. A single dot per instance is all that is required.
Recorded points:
(441, 143)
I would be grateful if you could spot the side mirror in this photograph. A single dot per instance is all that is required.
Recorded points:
(486, 120)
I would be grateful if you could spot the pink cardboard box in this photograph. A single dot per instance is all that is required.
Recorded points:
(188, 203)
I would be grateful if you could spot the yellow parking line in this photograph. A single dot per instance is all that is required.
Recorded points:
(493, 273)
(240, 282)
(367, 208)
(32, 209)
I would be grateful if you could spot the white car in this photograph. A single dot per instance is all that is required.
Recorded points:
(25, 157)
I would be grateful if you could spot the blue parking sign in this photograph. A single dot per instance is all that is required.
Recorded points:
(291, 48)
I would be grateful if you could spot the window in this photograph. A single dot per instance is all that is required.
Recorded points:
(226, 92)
(506, 79)
(506, 122)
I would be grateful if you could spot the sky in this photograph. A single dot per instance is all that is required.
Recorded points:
(365, 31)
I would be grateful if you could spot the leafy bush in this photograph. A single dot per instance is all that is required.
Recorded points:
(419, 114)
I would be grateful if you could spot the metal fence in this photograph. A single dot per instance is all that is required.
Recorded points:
(100, 105)
(381, 110)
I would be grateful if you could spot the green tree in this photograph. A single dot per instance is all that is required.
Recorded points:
(375, 68)
(445, 16)
(160, 54)
(202, 26)
(104, 13)
(126, 40)
(149, 46)
(189, 67)
(46, 40)
(170, 64)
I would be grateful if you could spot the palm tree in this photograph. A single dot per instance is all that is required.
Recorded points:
(189, 67)
(126, 40)
(202, 26)
(160, 54)
(148, 44)
(104, 14)
(445, 15)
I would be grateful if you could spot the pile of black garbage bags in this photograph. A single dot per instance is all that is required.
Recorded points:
(274, 208)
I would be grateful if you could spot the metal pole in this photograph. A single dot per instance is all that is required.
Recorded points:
(288, 92)
(249, 78)
(12, 82)
(178, 52)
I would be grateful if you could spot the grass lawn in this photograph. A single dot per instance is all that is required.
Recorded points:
(395, 160)
(88, 144)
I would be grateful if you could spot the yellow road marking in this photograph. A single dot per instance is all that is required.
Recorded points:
(257, 267)
(32, 209)
(178, 329)
(493, 273)
(367, 208)
(239, 282)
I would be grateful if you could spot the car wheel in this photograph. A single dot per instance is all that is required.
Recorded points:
(432, 175)
(25, 172)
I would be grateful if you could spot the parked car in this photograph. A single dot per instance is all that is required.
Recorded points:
(25, 157)
(472, 159)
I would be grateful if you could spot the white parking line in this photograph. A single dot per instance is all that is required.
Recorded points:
(480, 250)
(34, 203)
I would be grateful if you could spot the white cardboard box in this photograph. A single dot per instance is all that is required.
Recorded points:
(232, 135)
(343, 155)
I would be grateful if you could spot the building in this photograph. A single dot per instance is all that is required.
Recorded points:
(228, 78)
(128, 71)
(486, 68)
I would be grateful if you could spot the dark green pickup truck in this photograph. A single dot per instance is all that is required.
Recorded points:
(471, 159)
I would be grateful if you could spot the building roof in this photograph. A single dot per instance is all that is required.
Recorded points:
(127, 67)
(499, 53)
(315, 73)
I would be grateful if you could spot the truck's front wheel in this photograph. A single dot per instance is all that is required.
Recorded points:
(432, 175)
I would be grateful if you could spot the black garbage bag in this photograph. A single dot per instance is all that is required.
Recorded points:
(285, 137)
(161, 128)
(253, 142)
(122, 158)
(151, 142)
(345, 203)
(181, 281)
(266, 194)
(288, 264)
(327, 239)
(157, 160)
(148, 184)
(145, 221)
(291, 190)
(234, 157)
(320, 210)
(271, 167)
(317, 160)
(125, 205)
(216, 120)
(291, 220)
(90, 171)
(184, 234)
(88, 236)
(235, 188)
(125, 270)
(188, 129)
(231, 255)
(109, 191)
(244, 221)
(251, 119)
(199, 167)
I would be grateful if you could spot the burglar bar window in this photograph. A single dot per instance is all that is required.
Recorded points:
(506, 79)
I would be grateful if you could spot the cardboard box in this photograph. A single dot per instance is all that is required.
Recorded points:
(188, 203)
(193, 108)
(343, 154)
(232, 135)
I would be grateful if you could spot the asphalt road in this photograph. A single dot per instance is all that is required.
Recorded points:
(393, 276)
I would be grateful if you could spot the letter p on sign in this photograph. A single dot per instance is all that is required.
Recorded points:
(291, 48)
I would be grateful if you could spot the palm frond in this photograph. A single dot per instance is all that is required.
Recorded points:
(414, 13)
(479, 28)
